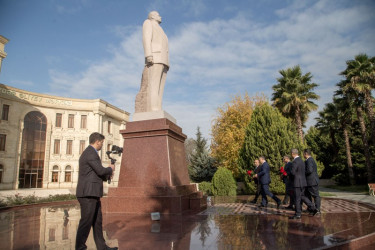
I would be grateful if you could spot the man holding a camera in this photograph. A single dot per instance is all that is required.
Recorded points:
(89, 190)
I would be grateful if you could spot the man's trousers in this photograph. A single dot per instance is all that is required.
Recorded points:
(91, 216)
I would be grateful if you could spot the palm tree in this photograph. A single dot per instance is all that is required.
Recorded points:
(360, 75)
(293, 95)
(357, 100)
(327, 122)
(344, 115)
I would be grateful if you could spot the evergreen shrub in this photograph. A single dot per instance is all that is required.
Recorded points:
(223, 183)
(205, 187)
(272, 135)
(341, 179)
(276, 185)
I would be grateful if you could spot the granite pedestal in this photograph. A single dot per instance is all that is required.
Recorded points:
(153, 175)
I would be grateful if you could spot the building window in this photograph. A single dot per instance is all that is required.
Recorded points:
(109, 127)
(69, 147)
(1, 173)
(68, 174)
(83, 121)
(56, 148)
(51, 234)
(71, 121)
(33, 151)
(2, 142)
(82, 145)
(55, 174)
(58, 120)
(65, 232)
(5, 113)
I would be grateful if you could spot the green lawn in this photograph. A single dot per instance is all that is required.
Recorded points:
(355, 188)
(325, 194)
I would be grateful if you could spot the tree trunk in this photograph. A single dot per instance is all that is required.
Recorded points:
(365, 144)
(348, 156)
(299, 124)
(334, 143)
(370, 113)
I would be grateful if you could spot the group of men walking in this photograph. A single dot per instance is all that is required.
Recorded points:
(301, 181)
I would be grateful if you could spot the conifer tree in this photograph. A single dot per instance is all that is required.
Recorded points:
(272, 135)
(202, 165)
(228, 130)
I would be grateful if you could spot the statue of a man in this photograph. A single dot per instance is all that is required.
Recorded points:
(155, 44)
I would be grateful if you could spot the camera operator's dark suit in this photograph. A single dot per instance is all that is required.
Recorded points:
(299, 185)
(312, 179)
(89, 190)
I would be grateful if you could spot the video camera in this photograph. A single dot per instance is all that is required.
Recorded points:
(114, 150)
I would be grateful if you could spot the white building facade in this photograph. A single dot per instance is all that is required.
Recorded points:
(43, 136)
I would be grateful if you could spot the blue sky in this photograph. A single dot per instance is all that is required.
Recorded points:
(218, 49)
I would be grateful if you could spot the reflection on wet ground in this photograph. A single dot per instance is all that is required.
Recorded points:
(227, 224)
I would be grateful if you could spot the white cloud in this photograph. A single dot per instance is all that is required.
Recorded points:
(195, 7)
(215, 60)
(189, 116)
(187, 7)
(70, 7)
(107, 78)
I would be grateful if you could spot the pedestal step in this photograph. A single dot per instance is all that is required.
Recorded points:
(131, 204)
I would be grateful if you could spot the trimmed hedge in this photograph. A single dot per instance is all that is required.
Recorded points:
(205, 187)
(223, 183)
(32, 199)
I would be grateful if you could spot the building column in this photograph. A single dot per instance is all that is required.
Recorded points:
(3, 41)
(99, 116)
(47, 167)
(17, 158)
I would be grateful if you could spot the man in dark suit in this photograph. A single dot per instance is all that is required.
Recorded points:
(265, 179)
(299, 185)
(312, 178)
(288, 183)
(89, 190)
(258, 185)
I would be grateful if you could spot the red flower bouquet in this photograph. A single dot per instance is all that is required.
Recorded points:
(249, 172)
(283, 172)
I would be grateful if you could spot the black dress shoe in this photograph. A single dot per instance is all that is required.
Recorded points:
(289, 207)
(111, 248)
(295, 217)
(262, 206)
(314, 212)
(278, 204)
(253, 202)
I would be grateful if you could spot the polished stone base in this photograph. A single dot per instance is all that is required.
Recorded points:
(229, 223)
(141, 200)
(139, 232)
(153, 175)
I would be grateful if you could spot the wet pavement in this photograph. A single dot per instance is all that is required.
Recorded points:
(229, 223)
